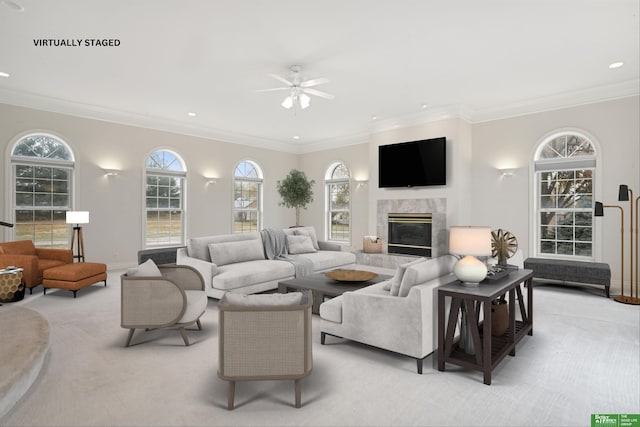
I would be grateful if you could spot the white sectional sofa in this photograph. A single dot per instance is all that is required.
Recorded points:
(237, 262)
(399, 314)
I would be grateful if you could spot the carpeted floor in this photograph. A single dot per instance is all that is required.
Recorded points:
(583, 358)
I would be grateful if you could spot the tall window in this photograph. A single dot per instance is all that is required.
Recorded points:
(42, 167)
(164, 189)
(338, 202)
(565, 166)
(247, 197)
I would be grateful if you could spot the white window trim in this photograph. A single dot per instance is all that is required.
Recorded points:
(534, 233)
(184, 174)
(327, 201)
(10, 184)
(259, 180)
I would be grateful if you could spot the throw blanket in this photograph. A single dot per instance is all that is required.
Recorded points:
(275, 247)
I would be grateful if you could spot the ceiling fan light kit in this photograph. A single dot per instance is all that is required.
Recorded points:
(299, 90)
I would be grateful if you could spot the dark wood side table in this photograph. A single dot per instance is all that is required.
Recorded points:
(489, 350)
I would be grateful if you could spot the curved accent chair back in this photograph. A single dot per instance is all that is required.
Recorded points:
(176, 299)
(265, 337)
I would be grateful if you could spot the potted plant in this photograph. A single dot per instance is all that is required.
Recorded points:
(296, 192)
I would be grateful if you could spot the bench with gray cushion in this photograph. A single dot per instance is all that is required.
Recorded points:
(594, 273)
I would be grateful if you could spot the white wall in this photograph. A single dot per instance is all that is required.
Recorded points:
(506, 202)
(115, 233)
(315, 165)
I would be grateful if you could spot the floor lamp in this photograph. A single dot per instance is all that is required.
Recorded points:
(626, 195)
(77, 218)
(599, 211)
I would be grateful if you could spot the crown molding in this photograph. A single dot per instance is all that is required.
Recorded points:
(95, 112)
(558, 101)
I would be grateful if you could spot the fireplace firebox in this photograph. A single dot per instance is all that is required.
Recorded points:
(410, 233)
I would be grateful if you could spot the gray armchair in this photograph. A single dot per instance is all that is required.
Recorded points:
(265, 337)
(176, 299)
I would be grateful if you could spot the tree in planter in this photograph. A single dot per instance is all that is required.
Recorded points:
(296, 192)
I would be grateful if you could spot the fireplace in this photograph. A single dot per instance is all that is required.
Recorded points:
(409, 233)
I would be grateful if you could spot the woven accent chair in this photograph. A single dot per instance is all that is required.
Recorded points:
(174, 300)
(265, 337)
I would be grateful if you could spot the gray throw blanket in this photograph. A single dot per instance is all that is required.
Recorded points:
(275, 247)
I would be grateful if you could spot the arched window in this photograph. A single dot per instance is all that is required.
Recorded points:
(565, 168)
(247, 197)
(165, 179)
(338, 202)
(42, 167)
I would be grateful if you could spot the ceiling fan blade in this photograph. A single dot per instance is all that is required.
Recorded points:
(273, 89)
(314, 82)
(319, 93)
(281, 79)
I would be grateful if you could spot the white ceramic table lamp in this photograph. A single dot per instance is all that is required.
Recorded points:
(470, 241)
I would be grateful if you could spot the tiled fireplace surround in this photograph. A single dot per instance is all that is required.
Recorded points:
(435, 206)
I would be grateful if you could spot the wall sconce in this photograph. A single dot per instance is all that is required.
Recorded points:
(111, 172)
(211, 180)
(361, 182)
(507, 172)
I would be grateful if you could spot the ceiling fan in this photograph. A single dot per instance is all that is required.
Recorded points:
(299, 90)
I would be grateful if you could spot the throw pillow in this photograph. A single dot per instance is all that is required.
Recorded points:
(261, 300)
(399, 275)
(308, 232)
(146, 269)
(236, 251)
(300, 245)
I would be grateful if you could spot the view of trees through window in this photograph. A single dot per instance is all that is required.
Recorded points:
(339, 201)
(246, 197)
(164, 191)
(42, 171)
(565, 196)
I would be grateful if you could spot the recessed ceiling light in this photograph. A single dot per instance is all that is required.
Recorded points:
(374, 117)
(424, 106)
(3, 74)
(616, 65)
(296, 137)
(191, 114)
(12, 5)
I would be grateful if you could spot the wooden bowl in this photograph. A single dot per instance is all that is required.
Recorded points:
(351, 275)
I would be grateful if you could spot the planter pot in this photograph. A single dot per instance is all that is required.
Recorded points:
(499, 318)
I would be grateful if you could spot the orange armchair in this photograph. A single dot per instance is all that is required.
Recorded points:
(32, 260)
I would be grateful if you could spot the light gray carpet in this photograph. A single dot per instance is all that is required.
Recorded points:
(583, 358)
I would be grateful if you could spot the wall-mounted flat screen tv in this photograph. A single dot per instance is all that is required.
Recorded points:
(413, 164)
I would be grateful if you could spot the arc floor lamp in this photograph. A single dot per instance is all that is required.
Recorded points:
(626, 194)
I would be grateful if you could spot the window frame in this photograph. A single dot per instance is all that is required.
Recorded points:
(166, 173)
(328, 183)
(541, 165)
(259, 180)
(69, 165)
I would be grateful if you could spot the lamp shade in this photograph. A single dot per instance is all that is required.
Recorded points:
(77, 217)
(598, 210)
(623, 193)
(470, 240)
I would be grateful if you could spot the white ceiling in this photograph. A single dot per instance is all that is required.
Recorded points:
(478, 60)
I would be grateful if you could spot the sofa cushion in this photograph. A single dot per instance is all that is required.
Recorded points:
(234, 276)
(328, 260)
(300, 245)
(198, 247)
(233, 252)
(394, 289)
(425, 271)
(146, 269)
(332, 310)
(308, 231)
(257, 300)
(18, 247)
